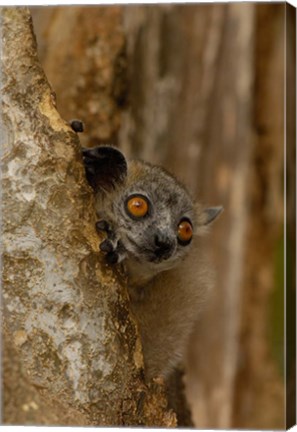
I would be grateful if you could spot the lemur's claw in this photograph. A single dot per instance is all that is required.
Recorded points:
(103, 226)
(106, 246)
(77, 125)
(112, 257)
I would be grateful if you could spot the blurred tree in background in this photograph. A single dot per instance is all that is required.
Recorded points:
(198, 89)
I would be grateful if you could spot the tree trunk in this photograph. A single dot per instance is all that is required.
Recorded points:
(66, 314)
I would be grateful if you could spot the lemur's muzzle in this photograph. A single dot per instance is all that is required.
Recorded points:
(164, 246)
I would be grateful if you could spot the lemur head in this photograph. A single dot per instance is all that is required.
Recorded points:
(150, 211)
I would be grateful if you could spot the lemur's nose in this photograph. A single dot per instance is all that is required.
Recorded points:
(163, 245)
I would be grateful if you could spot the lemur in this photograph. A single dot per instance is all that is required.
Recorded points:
(153, 228)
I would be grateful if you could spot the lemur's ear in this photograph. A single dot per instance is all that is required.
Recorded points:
(210, 214)
(105, 167)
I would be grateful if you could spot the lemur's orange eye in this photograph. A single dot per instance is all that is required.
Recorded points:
(184, 232)
(137, 206)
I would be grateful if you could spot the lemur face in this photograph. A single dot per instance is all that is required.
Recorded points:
(155, 214)
(147, 214)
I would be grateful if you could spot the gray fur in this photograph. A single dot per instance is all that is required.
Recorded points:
(166, 294)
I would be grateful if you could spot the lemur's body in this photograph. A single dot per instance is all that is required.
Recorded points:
(153, 228)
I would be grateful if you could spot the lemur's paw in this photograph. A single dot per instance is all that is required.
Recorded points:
(115, 252)
(77, 125)
(106, 246)
(112, 257)
(111, 246)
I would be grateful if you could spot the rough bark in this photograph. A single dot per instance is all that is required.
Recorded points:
(65, 313)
